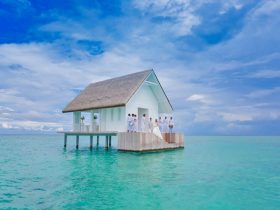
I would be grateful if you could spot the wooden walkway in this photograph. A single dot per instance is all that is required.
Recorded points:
(108, 137)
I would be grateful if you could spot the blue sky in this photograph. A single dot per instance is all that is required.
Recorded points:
(217, 60)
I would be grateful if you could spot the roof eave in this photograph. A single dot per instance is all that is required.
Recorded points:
(164, 93)
(88, 109)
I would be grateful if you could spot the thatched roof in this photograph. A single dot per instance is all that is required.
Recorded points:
(108, 93)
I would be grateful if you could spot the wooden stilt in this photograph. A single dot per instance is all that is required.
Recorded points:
(90, 145)
(110, 141)
(77, 142)
(65, 140)
(107, 135)
(106, 143)
(97, 140)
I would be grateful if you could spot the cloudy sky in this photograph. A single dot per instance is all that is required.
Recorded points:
(218, 60)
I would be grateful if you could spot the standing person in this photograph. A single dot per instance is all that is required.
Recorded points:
(142, 129)
(132, 123)
(160, 124)
(129, 123)
(165, 125)
(171, 125)
(156, 130)
(135, 124)
(150, 125)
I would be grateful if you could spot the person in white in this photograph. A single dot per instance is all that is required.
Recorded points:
(95, 123)
(135, 123)
(150, 125)
(160, 124)
(129, 123)
(146, 124)
(171, 125)
(143, 121)
(165, 125)
(132, 123)
(156, 130)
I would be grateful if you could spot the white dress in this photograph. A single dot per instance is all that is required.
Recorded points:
(156, 131)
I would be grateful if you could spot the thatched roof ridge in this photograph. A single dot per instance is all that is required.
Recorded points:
(108, 93)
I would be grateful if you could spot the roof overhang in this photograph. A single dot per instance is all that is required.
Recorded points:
(93, 108)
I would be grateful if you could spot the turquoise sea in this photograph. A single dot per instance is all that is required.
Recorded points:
(210, 173)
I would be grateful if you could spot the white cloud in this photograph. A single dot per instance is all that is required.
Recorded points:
(12, 95)
(238, 64)
(200, 98)
(201, 115)
(32, 125)
(6, 125)
(267, 74)
(267, 7)
(196, 97)
(60, 129)
(226, 5)
(231, 117)
(263, 92)
(66, 26)
(180, 11)
(3, 108)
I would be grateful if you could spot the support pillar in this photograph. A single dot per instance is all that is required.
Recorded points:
(110, 141)
(65, 140)
(90, 145)
(97, 140)
(106, 143)
(77, 142)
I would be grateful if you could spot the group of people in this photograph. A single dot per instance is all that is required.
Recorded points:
(132, 123)
(161, 125)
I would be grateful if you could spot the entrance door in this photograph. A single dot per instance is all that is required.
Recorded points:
(141, 111)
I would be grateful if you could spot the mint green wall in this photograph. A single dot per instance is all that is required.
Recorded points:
(76, 121)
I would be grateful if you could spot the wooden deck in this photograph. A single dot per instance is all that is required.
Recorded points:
(136, 141)
(140, 142)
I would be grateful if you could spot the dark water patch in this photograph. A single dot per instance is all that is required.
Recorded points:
(39, 189)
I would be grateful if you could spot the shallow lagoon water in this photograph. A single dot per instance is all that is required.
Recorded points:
(210, 173)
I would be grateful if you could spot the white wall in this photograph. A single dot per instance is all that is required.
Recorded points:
(143, 98)
(76, 121)
(113, 119)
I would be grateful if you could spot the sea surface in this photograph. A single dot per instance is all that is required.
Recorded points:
(210, 173)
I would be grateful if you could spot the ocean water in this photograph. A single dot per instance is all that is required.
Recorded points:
(210, 173)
